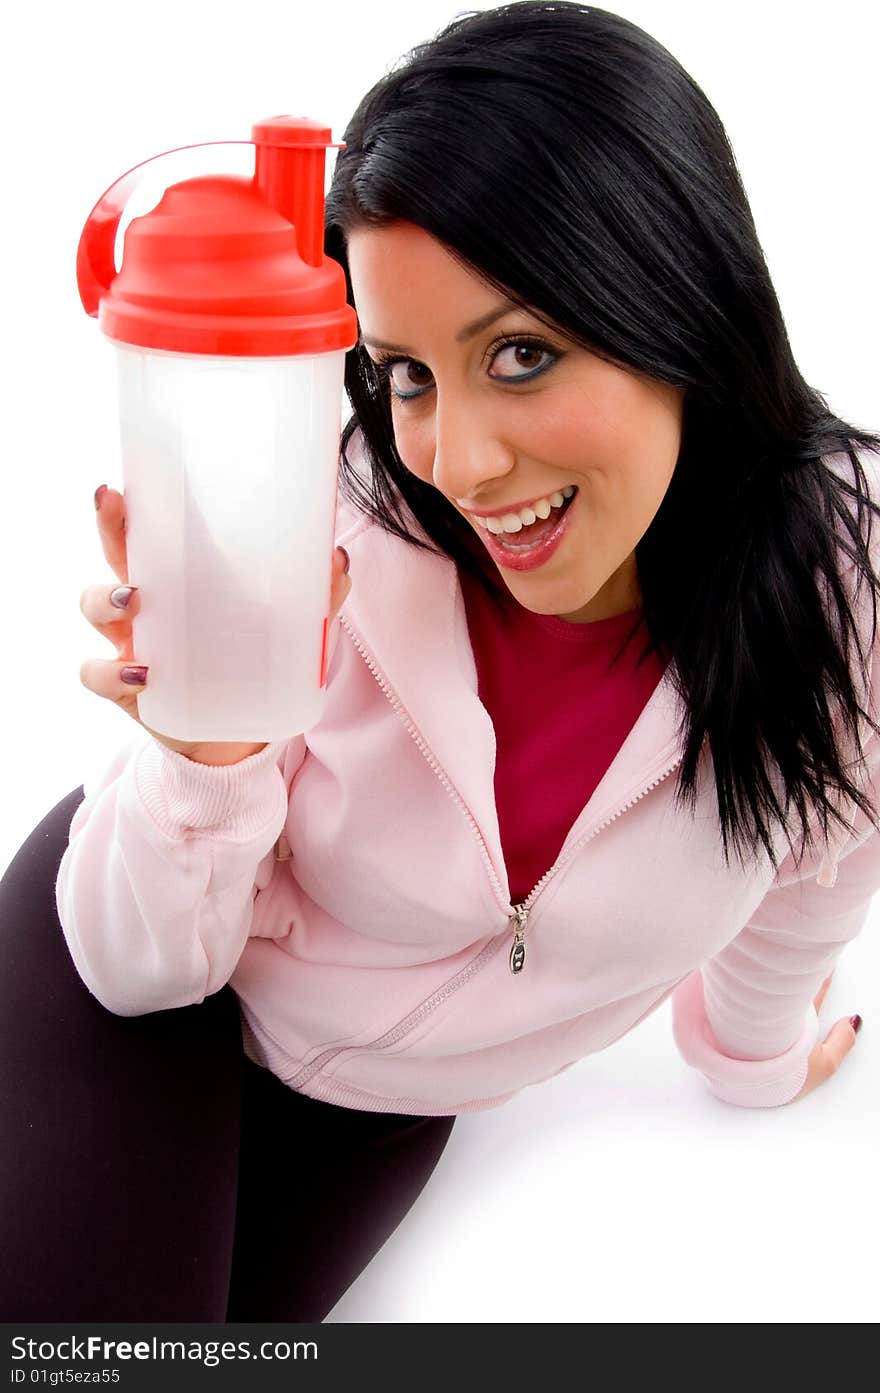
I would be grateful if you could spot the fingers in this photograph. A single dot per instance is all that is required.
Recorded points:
(104, 678)
(341, 583)
(836, 1046)
(111, 530)
(99, 609)
(112, 620)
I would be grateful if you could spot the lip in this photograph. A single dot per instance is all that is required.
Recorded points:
(514, 507)
(542, 551)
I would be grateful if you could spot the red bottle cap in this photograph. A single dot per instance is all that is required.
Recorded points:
(223, 264)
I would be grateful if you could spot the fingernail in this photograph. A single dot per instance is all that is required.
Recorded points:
(135, 676)
(856, 1023)
(121, 595)
(99, 496)
(347, 559)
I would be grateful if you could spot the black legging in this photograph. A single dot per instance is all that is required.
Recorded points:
(149, 1171)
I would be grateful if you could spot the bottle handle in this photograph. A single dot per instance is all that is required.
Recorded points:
(95, 259)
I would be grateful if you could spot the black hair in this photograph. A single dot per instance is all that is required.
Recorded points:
(570, 120)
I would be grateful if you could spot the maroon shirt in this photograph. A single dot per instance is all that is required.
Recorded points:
(560, 714)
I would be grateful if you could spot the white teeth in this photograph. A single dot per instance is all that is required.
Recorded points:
(514, 522)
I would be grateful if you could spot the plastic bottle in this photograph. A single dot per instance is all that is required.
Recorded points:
(230, 329)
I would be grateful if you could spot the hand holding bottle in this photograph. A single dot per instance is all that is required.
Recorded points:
(119, 680)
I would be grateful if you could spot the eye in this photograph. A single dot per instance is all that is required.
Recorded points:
(521, 351)
(526, 353)
(411, 373)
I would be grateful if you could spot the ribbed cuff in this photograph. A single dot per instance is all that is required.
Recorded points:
(238, 800)
(746, 1083)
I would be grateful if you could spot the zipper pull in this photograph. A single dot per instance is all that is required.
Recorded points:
(518, 950)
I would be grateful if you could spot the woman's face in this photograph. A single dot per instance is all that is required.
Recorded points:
(493, 427)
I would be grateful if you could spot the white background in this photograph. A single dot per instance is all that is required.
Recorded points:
(621, 1191)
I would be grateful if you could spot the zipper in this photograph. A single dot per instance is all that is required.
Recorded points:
(521, 912)
(438, 769)
(517, 958)
(517, 953)
(518, 919)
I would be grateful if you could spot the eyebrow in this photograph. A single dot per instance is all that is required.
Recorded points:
(462, 336)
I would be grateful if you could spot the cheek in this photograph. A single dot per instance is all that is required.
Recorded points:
(622, 435)
(582, 428)
(572, 444)
(602, 417)
(414, 439)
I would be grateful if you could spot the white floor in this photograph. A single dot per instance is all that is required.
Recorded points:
(623, 1191)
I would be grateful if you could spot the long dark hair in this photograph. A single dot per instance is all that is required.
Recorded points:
(566, 157)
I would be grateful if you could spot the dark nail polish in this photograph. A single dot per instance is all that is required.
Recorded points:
(121, 595)
(135, 676)
(856, 1023)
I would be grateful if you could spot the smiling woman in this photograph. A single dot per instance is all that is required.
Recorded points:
(609, 236)
(493, 432)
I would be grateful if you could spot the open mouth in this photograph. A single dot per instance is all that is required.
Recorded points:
(530, 534)
(533, 545)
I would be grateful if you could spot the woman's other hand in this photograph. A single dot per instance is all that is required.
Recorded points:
(827, 1055)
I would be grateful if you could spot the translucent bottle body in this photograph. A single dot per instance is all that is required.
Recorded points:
(230, 469)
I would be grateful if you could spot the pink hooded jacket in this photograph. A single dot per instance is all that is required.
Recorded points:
(350, 885)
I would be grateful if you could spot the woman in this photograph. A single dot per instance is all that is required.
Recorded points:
(595, 519)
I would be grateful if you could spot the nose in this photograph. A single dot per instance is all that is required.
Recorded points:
(471, 448)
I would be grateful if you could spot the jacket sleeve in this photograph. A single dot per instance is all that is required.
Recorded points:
(745, 1019)
(155, 889)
